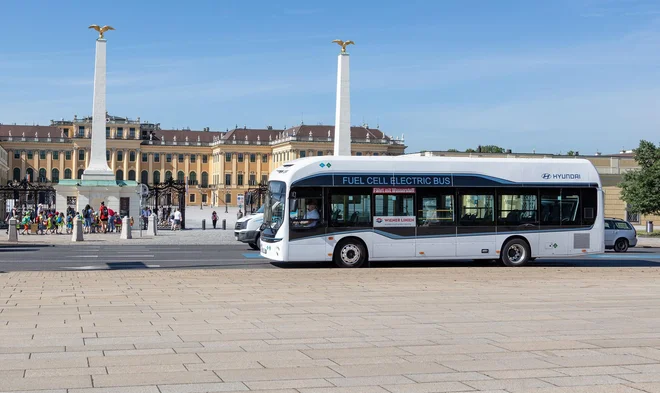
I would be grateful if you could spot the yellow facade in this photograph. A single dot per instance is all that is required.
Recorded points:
(217, 165)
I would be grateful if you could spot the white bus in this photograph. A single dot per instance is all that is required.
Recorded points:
(351, 210)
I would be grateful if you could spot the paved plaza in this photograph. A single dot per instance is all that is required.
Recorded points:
(538, 330)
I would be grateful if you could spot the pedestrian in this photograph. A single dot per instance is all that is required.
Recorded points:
(103, 217)
(177, 220)
(69, 223)
(87, 216)
(214, 218)
(111, 220)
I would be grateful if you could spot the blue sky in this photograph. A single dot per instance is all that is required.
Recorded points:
(527, 75)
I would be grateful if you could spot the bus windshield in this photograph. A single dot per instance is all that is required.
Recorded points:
(274, 206)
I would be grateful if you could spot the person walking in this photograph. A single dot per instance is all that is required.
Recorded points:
(103, 217)
(111, 220)
(87, 216)
(177, 220)
(214, 218)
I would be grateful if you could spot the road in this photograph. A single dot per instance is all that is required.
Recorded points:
(83, 257)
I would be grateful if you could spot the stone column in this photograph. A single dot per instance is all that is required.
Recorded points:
(150, 160)
(23, 163)
(234, 168)
(88, 155)
(343, 108)
(97, 166)
(138, 165)
(113, 159)
(186, 164)
(259, 167)
(49, 164)
(13, 232)
(162, 167)
(74, 161)
(126, 153)
(222, 168)
(62, 160)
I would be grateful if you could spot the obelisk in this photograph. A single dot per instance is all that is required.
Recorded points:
(343, 107)
(98, 168)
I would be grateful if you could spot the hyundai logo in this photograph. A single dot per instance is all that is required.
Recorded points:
(546, 176)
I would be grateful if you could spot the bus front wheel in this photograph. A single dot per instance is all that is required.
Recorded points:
(515, 253)
(350, 253)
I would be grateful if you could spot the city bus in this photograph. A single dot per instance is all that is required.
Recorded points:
(352, 210)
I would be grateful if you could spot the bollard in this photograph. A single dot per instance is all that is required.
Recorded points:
(649, 226)
(152, 227)
(224, 223)
(126, 229)
(13, 231)
(203, 224)
(77, 235)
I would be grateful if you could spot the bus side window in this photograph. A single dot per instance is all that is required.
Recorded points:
(350, 209)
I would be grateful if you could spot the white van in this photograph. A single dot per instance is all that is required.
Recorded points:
(247, 229)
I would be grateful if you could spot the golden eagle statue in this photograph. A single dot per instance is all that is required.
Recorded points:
(101, 30)
(343, 44)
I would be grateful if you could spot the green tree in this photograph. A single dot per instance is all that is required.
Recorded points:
(470, 151)
(452, 150)
(491, 149)
(641, 188)
(570, 153)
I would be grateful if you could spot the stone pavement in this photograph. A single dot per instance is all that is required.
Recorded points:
(536, 330)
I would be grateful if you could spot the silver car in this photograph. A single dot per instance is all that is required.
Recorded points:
(619, 235)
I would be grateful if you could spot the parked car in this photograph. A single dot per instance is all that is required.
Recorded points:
(619, 235)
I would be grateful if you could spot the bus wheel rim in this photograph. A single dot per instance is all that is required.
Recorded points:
(350, 254)
(516, 253)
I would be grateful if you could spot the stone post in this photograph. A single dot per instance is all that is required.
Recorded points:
(13, 232)
(152, 225)
(126, 229)
(77, 235)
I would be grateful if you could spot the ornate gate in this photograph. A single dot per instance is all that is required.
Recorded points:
(164, 198)
(27, 195)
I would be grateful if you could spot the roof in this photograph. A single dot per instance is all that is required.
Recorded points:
(252, 134)
(18, 130)
(430, 171)
(321, 131)
(204, 136)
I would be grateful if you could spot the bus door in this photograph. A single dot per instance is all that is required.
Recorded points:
(394, 222)
(436, 223)
(307, 224)
(476, 230)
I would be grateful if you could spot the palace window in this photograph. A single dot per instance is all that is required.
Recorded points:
(156, 159)
(227, 157)
(42, 154)
(56, 155)
(30, 155)
(240, 157)
(120, 133)
(131, 133)
(193, 158)
(253, 157)
(168, 158)
(131, 157)
(67, 156)
(81, 155)
(180, 157)
(205, 159)
(120, 157)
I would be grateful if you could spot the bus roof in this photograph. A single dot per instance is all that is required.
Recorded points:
(439, 171)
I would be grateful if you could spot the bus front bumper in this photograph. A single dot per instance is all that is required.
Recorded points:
(272, 250)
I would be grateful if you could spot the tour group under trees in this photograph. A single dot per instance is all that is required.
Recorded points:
(641, 188)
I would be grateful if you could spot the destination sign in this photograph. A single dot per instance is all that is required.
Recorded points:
(396, 180)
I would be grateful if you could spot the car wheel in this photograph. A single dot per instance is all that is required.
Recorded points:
(350, 253)
(253, 246)
(621, 245)
(258, 242)
(515, 253)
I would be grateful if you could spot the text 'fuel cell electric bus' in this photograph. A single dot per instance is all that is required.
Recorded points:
(356, 209)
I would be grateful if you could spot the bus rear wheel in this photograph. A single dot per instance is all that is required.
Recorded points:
(350, 253)
(515, 253)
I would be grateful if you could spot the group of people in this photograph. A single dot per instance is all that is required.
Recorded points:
(45, 220)
(103, 220)
(164, 216)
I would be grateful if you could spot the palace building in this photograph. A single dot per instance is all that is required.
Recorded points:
(217, 165)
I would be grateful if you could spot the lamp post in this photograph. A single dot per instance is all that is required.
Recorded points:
(225, 198)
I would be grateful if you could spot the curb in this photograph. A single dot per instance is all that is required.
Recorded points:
(23, 245)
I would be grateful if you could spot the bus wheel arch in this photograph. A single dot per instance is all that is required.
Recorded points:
(516, 251)
(350, 252)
